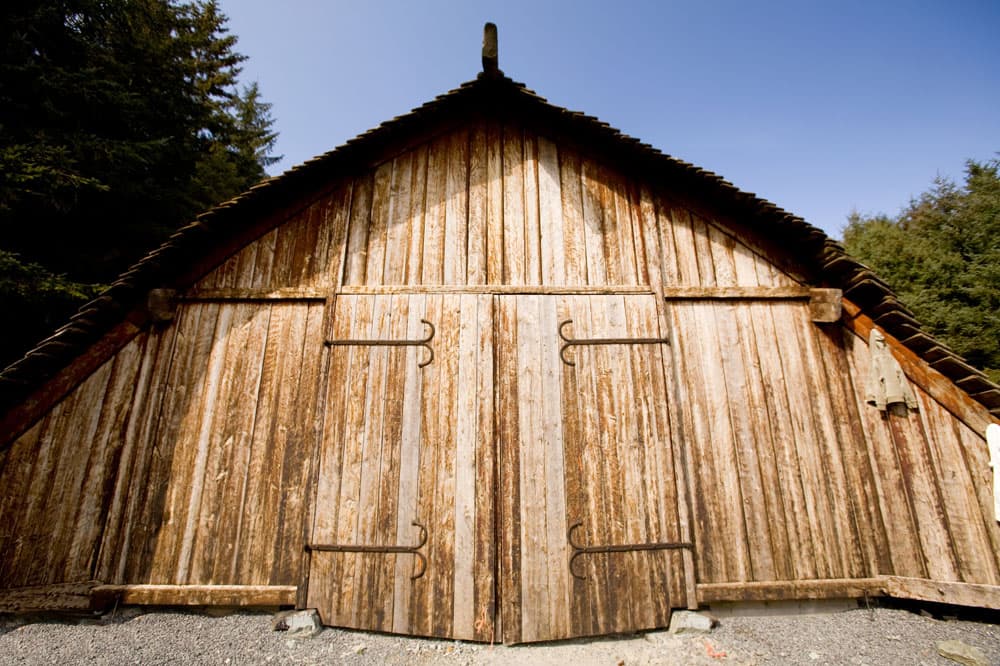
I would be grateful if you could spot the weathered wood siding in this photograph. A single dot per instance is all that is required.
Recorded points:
(208, 452)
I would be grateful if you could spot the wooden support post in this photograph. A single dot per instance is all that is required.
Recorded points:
(491, 61)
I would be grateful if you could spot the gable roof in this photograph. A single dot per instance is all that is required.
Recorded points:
(490, 95)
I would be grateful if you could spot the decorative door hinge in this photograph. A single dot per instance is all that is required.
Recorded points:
(579, 550)
(570, 342)
(423, 342)
(360, 548)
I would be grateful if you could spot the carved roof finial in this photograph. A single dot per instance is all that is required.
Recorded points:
(491, 64)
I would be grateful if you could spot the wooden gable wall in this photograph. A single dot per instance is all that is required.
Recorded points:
(191, 456)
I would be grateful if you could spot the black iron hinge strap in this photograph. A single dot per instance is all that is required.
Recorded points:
(571, 342)
(360, 548)
(422, 342)
(579, 549)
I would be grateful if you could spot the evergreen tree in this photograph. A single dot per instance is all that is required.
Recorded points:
(120, 120)
(942, 256)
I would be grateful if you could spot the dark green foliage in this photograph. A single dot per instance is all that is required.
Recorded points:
(942, 256)
(120, 120)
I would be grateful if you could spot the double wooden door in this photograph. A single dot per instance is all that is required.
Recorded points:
(495, 467)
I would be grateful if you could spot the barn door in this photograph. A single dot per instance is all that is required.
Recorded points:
(403, 537)
(589, 526)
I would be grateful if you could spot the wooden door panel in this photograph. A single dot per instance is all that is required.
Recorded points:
(586, 443)
(402, 444)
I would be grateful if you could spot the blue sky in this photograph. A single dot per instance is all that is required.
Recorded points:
(821, 108)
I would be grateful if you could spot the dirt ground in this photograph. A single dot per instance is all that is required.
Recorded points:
(877, 636)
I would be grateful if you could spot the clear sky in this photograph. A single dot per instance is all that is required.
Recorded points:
(819, 107)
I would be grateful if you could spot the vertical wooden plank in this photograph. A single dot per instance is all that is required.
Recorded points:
(593, 221)
(465, 509)
(574, 249)
(358, 228)
(378, 224)
(324, 581)
(432, 439)
(16, 467)
(626, 240)
(276, 437)
(415, 223)
(134, 478)
(495, 197)
(301, 438)
(535, 617)
(976, 458)
(410, 438)
(788, 318)
(581, 604)
(515, 245)
(397, 246)
(552, 448)
(441, 553)
(435, 212)
(208, 409)
(456, 221)
(370, 464)
(833, 342)
(190, 386)
(663, 497)
(612, 517)
(221, 508)
(95, 496)
(975, 558)
(382, 584)
(263, 261)
(485, 546)
(478, 206)
(532, 231)
(925, 500)
(596, 516)
(846, 555)
(508, 427)
(336, 219)
(24, 567)
(611, 238)
(550, 220)
(685, 249)
(110, 552)
(62, 512)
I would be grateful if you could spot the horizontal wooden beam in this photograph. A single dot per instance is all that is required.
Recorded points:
(320, 294)
(958, 594)
(61, 596)
(104, 596)
(939, 387)
(825, 588)
(499, 289)
(283, 294)
(736, 293)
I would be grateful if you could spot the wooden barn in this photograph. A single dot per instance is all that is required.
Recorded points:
(494, 371)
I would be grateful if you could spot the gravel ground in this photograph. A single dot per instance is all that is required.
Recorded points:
(882, 636)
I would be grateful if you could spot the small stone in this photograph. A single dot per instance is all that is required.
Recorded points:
(962, 653)
(684, 622)
(360, 648)
(814, 655)
(297, 623)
